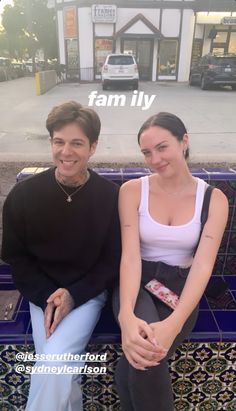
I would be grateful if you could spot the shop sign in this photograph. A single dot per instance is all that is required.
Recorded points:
(229, 21)
(70, 27)
(102, 13)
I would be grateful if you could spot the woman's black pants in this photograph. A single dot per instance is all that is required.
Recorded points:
(148, 390)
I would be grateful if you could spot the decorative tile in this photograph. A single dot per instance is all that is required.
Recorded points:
(230, 266)
(24, 305)
(231, 223)
(14, 328)
(29, 171)
(115, 175)
(203, 303)
(199, 172)
(206, 381)
(7, 285)
(226, 319)
(205, 325)
(232, 243)
(218, 268)
(231, 281)
(5, 269)
(232, 183)
(219, 173)
(202, 377)
(224, 246)
(227, 189)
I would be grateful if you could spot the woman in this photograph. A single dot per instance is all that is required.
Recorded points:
(160, 222)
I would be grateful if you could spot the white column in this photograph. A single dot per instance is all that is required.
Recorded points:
(186, 43)
(86, 41)
(61, 41)
(154, 63)
(118, 45)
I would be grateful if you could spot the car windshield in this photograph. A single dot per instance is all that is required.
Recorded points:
(224, 61)
(119, 60)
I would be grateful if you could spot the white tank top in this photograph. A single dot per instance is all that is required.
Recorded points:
(173, 245)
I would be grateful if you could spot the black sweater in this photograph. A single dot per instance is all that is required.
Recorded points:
(51, 243)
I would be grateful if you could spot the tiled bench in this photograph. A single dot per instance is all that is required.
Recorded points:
(210, 351)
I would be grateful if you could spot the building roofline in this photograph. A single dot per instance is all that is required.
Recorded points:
(135, 19)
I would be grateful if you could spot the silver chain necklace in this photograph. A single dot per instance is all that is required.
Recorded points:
(69, 196)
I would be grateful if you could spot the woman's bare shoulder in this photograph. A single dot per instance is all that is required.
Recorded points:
(218, 197)
(130, 193)
(131, 186)
(219, 204)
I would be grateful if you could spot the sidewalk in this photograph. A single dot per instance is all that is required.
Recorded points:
(209, 117)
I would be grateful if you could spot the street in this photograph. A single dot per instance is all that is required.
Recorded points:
(208, 115)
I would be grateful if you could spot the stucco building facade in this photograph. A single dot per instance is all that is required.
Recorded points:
(166, 36)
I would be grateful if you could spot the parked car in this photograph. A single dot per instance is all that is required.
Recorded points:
(29, 66)
(19, 68)
(120, 69)
(6, 69)
(214, 69)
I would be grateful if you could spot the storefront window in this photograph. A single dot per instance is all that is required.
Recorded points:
(221, 37)
(218, 50)
(103, 47)
(130, 47)
(232, 43)
(168, 58)
(72, 59)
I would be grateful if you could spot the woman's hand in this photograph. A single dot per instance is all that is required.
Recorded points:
(165, 332)
(139, 343)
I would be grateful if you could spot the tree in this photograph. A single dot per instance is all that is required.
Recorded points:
(13, 21)
(30, 25)
(3, 43)
(44, 27)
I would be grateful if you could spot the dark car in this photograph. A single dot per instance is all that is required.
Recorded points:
(213, 69)
(19, 68)
(6, 69)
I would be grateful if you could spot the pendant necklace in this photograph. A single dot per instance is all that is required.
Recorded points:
(69, 196)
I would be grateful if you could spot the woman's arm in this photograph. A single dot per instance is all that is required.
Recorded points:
(204, 259)
(139, 351)
(130, 267)
(200, 271)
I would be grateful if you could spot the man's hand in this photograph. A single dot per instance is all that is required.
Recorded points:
(59, 304)
(48, 318)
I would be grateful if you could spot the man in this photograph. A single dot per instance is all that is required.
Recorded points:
(61, 237)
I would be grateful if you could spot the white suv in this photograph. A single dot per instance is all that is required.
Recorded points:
(120, 68)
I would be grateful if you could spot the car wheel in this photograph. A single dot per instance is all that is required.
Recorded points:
(233, 86)
(135, 86)
(204, 84)
(104, 86)
(191, 82)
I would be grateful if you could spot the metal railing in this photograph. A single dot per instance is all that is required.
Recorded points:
(83, 74)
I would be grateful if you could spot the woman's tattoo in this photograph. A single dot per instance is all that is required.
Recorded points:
(208, 236)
